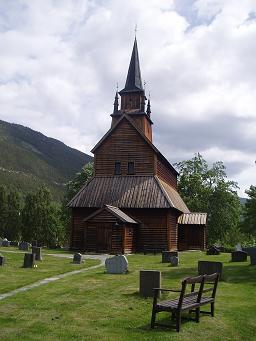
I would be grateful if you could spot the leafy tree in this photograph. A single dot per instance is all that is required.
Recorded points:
(206, 189)
(72, 188)
(41, 218)
(3, 210)
(249, 212)
(13, 221)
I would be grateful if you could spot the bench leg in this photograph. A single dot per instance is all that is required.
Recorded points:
(197, 314)
(178, 321)
(153, 319)
(212, 309)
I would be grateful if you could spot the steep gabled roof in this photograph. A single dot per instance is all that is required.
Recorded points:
(133, 80)
(119, 214)
(128, 192)
(125, 116)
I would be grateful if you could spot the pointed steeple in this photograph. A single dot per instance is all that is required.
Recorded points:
(133, 80)
(116, 104)
(148, 108)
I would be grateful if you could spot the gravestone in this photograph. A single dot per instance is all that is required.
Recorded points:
(78, 258)
(149, 279)
(238, 247)
(213, 250)
(238, 256)
(174, 261)
(5, 242)
(251, 251)
(29, 260)
(116, 265)
(166, 256)
(253, 259)
(24, 246)
(208, 268)
(2, 260)
(34, 243)
(37, 252)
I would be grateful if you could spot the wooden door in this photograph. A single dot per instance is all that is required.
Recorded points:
(103, 239)
(90, 239)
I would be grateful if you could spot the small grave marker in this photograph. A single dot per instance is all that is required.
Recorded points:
(213, 250)
(117, 265)
(208, 268)
(251, 251)
(37, 251)
(5, 242)
(149, 279)
(24, 246)
(174, 261)
(78, 258)
(166, 256)
(253, 259)
(238, 256)
(29, 260)
(2, 260)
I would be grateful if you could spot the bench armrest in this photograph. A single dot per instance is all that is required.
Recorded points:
(172, 290)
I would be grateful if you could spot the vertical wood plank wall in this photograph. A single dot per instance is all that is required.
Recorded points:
(124, 144)
(166, 174)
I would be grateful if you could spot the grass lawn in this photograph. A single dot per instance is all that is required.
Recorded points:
(98, 306)
(13, 276)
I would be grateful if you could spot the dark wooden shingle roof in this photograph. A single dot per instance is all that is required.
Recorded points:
(127, 192)
(115, 211)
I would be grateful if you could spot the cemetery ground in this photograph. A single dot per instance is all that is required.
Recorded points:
(94, 305)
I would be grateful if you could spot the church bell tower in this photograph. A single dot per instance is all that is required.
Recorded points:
(133, 99)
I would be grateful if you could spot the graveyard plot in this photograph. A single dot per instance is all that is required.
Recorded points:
(13, 275)
(95, 305)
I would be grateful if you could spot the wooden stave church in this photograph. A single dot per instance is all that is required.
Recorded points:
(132, 202)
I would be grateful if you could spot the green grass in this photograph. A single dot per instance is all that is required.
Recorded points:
(13, 275)
(97, 306)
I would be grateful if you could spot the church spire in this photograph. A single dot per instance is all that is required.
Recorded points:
(133, 80)
(116, 104)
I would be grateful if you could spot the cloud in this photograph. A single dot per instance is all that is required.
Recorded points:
(60, 62)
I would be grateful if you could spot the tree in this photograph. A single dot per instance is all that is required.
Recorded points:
(3, 210)
(249, 212)
(206, 189)
(41, 218)
(72, 188)
(13, 221)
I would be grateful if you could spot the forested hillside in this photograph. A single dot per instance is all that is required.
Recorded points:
(29, 159)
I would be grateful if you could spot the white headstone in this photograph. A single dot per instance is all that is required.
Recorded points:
(238, 247)
(116, 265)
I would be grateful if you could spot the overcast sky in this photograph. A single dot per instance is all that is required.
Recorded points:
(60, 61)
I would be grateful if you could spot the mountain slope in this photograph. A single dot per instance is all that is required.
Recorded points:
(29, 159)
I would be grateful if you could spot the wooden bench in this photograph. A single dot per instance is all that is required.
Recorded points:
(189, 300)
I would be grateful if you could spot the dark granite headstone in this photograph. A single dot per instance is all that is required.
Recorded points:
(24, 246)
(37, 251)
(78, 258)
(29, 260)
(34, 243)
(149, 279)
(166, 256)
(238, 256)
(2, 260)
(208, 268)
(251, 251)
(5, 242)
(253, 259)
(213, 250)
(174, 261)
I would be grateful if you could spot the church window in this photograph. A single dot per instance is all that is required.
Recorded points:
(117, 168)
(130, 169)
